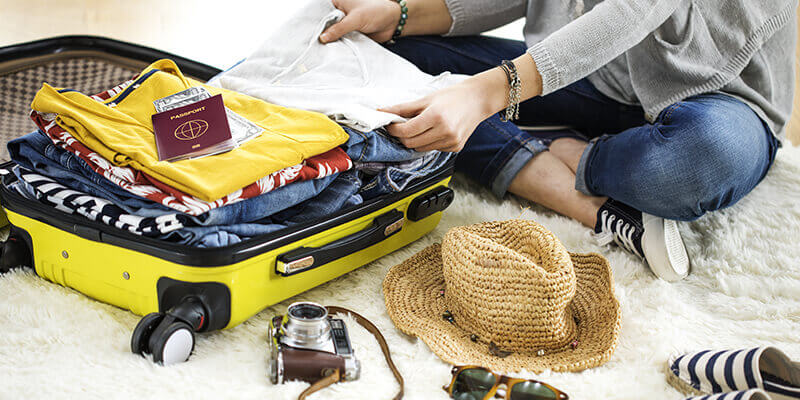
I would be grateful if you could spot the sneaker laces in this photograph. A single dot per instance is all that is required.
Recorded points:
(620, 232)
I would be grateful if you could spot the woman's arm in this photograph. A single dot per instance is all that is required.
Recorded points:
(597, 37)
(379, 18)
(445, 119)
(471, 17)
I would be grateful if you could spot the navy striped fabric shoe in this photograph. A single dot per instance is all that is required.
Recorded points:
(708, 372)
(752, 394)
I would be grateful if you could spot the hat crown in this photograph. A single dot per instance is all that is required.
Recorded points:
(510, 283)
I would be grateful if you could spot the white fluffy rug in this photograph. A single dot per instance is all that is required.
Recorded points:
(744, 290)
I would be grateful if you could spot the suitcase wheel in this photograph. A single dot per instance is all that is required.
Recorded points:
(173, 344)
(14, 254)
(169, 336)
(142, 332)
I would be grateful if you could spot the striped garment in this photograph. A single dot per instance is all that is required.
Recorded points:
(764, 368)
(752, 394)
(141, 184)
(47, 191)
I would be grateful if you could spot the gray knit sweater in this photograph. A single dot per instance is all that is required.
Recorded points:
(655, 52)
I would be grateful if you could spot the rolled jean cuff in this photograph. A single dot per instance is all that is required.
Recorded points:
(521, 156)
(581, 184)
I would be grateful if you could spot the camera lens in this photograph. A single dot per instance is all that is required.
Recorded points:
(307, 311)
(307, 326)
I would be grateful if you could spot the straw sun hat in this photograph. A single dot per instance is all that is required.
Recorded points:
(507, 296)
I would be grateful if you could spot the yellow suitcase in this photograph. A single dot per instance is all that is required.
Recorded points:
(181, 290)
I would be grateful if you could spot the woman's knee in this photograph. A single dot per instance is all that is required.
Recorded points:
(719, 150)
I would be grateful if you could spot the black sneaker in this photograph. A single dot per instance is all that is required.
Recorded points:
(654, 239)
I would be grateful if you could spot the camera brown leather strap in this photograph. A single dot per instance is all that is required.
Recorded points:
(336, 375)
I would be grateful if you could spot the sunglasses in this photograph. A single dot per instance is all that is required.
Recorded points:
(478, 383)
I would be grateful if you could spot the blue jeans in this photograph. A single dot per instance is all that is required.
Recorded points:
(395, 177)
(36, 152)
(267, 213)
(700, 154)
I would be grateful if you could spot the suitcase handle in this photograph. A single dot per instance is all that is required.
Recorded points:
(306, 258)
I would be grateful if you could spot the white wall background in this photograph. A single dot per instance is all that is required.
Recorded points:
(215, 32)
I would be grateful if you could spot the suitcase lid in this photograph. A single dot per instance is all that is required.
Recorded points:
(88, 64)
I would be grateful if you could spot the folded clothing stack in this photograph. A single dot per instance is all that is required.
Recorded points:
(95, 156)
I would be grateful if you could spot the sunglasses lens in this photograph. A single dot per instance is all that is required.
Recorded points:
(532, 391)
(472, 384)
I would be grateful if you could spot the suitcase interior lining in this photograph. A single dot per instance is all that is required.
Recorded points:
(85, 71)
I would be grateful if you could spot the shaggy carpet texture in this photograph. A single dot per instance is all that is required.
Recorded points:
(744, 290)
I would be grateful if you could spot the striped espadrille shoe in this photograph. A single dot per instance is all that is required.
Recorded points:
(707, 372)
(752, 394)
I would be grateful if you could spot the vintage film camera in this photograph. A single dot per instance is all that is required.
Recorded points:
(306, 344)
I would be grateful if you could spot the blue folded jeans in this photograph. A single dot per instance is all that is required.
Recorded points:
(700, 154)
(292, 204)
(37, 153)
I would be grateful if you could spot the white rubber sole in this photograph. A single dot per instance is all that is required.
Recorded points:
(663, 248)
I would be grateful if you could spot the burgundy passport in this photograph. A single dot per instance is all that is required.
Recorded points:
(194, 130)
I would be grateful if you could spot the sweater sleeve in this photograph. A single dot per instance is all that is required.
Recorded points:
(471, 17)
(595, 38)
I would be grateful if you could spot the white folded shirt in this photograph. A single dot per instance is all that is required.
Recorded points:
(348, 80)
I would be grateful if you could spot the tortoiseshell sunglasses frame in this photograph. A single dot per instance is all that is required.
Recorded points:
(498, 380)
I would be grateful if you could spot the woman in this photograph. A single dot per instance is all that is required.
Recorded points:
(681, 102)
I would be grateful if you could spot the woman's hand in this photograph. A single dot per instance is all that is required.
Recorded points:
(375, 18)
(445, 119)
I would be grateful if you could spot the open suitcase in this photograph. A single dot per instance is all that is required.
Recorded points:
(179, 289)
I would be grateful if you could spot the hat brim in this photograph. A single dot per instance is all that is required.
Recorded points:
(412, 294)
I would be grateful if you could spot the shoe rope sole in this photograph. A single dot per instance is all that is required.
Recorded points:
(680, 385)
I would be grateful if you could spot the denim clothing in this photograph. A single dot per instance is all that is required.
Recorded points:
(288, 205)
(377, 146)
(341, 193)
(395, 178)
(170, 226)
(700, 154)
(121, 130)
(47, 191)
(36, 152)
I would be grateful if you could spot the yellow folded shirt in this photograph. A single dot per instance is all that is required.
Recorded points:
(123, 133)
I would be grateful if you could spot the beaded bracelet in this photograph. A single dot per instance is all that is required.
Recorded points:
(402, 22)
(515, 89)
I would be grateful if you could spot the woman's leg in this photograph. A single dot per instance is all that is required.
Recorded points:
(701, 154)
(497, 151)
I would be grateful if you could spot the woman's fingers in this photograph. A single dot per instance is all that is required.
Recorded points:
(436, 138)
(423, 139)
(437, 145)
(350, 22)
(413, 127)
(406, 110)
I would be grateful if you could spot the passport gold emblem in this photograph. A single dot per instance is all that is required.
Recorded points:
(191, 129)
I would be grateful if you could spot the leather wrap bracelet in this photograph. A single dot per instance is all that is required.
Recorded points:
(514, 91)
